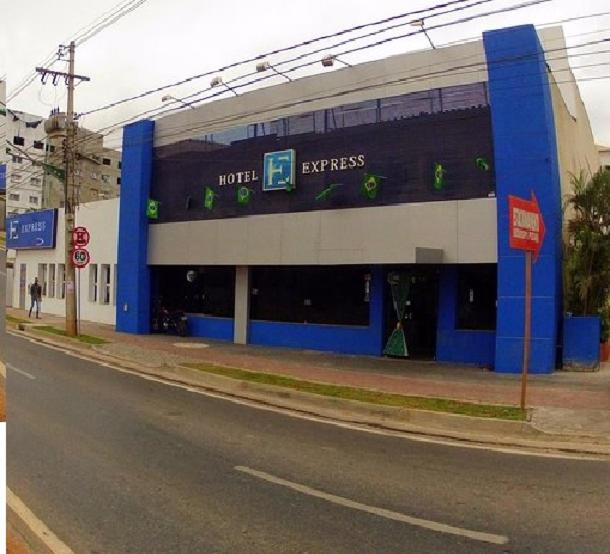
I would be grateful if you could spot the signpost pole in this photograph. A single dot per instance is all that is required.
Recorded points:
(527, 325)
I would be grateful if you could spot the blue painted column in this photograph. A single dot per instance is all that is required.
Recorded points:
(525, 153)
(376, 306)
(458, 345)
(133, 292)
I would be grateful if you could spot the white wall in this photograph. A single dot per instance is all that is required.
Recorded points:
(465, 230)
(101, 218)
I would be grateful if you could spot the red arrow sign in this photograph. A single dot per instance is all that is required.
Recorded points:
(526, 226)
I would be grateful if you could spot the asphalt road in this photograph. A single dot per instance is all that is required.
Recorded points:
(113, 463)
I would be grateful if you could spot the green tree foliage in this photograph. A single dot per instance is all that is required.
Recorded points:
(587, 248)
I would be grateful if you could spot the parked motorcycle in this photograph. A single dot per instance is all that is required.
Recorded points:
(170, 322)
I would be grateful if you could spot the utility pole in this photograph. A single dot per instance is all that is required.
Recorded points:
(70, 197)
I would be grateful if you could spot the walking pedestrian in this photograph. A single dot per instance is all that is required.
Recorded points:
(35, 297)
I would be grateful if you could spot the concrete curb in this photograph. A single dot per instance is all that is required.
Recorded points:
(483, 431)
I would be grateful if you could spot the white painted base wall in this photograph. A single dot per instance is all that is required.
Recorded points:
(96, 288)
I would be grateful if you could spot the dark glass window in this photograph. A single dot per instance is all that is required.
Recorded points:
(351, 115)
(477, 294)
(38, 144)
(324, 295)
(463, 96)
(18, 141)
(407, 105)
(301, 124)
(195, 289)
(106, 161)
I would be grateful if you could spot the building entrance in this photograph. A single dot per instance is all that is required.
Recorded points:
(419, 319)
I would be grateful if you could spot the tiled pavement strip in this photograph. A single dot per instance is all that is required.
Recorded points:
(572, 403)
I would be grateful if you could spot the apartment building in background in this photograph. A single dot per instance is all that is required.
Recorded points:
(34, 141)
(98, 169)
(25, 151)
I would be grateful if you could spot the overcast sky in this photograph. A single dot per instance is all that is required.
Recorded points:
(161, 42)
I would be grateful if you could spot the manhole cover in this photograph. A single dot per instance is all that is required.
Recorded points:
(191, 345)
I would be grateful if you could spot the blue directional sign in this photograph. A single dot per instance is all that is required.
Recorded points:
(32, 230)
(278, 170)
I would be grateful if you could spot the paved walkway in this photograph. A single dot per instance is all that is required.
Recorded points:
(561, 390)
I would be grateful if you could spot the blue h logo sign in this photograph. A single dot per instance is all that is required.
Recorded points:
(278, 170)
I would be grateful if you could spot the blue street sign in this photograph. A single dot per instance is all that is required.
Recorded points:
(278, 170)
(32, 230)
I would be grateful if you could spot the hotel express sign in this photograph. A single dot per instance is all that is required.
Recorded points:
(280, 170)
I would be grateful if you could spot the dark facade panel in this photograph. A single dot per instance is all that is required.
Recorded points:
(403, 152)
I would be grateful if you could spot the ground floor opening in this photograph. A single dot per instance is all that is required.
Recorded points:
(447, 312)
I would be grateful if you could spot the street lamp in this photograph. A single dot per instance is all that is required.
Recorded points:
(263, 66)
(168, 97)
(329, 61)
(217, 81)
(420, 23)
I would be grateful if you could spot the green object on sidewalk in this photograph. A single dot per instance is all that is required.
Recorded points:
(397, 344)
(152, 209)
(400, 284)
(208, 198)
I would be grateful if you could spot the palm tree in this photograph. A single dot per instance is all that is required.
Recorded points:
(587, 249)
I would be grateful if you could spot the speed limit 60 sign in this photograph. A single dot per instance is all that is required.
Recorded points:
(80, 257)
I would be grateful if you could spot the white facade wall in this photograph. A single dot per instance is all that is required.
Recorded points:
(97, 284)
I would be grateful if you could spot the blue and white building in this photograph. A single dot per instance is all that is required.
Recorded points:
(280, 216)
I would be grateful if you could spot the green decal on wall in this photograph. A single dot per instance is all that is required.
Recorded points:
(482, 164)
(152, 209)
(371, 185)
(328, 192)
(208, 198)
(244, 194)
(439, 176)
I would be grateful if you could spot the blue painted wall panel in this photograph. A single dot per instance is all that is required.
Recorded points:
(581, 341)
(456, 345)
(525, 153)
(332, 338)
(133, 291)
(220, 328)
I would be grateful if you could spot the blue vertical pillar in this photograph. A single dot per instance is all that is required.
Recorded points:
(446, 318)
(525, 153)
(376, 307)
(133, 292)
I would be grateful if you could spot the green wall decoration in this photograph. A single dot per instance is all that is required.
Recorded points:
(482, 163)
(328, 192)
(439, 176)
(152, 209)
(244, 194)
(371, 185)
(208, 198)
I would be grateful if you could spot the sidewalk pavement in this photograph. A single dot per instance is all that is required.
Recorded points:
(564, 403)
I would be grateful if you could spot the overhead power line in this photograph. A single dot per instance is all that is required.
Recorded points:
(232, 82)
(462, 69)
(298, 45)
(84, 34)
